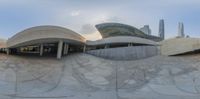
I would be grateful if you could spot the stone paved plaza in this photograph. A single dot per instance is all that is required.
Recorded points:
(82, 76)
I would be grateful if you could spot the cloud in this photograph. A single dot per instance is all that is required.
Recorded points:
(114, 19)
(82, 16)
(90, 27)
(87, 29)
(75, 13)
(102, 17)
(93, 36)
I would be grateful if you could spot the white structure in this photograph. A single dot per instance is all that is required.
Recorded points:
(146, 29)
(177, 46)
(129, 40)
(59, 41)
(181, 30)
(45, 39)
(162, 29)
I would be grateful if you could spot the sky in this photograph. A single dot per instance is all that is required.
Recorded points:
(81, 16)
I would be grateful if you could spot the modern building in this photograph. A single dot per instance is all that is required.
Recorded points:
(118, 29)
(48, 40)
(146, 29)
(161, 30)
(58, 41)
(119, 41)
(181, 30)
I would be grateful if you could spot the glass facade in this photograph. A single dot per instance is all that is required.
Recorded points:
(118, 29)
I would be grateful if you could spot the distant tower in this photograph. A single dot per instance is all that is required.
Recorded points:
(146, 29)
(181, 30)
(162, 29)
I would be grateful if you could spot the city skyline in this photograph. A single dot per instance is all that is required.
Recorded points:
(83, 16)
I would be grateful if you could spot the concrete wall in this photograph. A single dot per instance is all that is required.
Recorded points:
(122, 39)
(126, 53)
(177, 46)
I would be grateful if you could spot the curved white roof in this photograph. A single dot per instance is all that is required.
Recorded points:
(42, 33)
(122, 39)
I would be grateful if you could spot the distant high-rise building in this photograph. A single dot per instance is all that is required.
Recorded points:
(162, 29)
(181, 30)
(146, 29)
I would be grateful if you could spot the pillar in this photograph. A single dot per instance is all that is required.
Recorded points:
(59, 51)
(18, 50)
(66, 48)
(84, 48)
(41, 49)
(8, 51)
(106, 46)
(130, 44)
(4, 50)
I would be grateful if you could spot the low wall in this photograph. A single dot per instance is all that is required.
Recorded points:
(177, 46)
(126, 53)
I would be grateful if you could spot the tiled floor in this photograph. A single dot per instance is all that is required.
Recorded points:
(82, 76)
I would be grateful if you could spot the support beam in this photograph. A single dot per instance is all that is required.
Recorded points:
(130, 44)
(66, 48)
(84, 48)
(41, 49)
(8, 51)
(106, 46)
(59, 51)
(18, 50)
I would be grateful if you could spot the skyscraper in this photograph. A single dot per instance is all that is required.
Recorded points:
(161, 29)
(181, 30)
(146, 29)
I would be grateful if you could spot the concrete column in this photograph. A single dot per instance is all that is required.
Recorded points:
(106, 46)
(66, 48)
(84, 48)
(41, 49)
(18, 50)
(8, 51)
(59, 51)
(130, 44)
